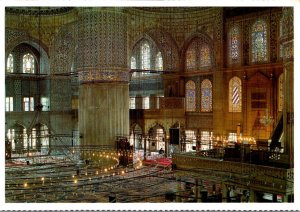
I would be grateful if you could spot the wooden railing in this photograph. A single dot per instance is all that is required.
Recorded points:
(269, 178)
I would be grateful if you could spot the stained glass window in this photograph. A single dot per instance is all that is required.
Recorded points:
(190, 96)
(205, 56)
(190, 59)
(10, 64)
(159, 62)
(145, 55)
(280, 93)
(206, 96)
(235, 95)
(259, 41)
(28, 63)
(234, 44)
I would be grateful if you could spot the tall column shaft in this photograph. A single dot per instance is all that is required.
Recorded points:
(103, 112)
(287, 41)
(102, 64)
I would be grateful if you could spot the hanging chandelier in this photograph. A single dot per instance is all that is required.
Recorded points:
(266, 119)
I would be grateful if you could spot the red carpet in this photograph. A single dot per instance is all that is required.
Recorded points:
(165, 162)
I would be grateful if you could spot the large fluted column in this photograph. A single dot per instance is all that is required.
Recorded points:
(103, 75)
(287, 40)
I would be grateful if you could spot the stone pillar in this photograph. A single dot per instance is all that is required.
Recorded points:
(138, 102)
(224, 192)
(166, 147)
(287, 40)
(102, 65)
(145, 147)
(153, 101)
(218, 82)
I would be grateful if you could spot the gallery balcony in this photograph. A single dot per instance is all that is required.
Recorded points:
(157, 107)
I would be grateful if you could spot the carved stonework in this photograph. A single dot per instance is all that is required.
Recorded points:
(60, 95)
(274, 26)
(171, 103)
(246, 42)
(288, 51)
(11, 35)
(168, 47)
(287, 21)
(102, 40)
(103, 76)
(62, 50)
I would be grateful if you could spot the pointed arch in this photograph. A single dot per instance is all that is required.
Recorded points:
(259, 41)
(190, 96)
(197, 52)
(235, 95)
(206, 96)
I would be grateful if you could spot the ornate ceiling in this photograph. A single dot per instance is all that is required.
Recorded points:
(38, 10)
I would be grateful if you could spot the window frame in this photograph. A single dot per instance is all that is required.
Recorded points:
(192, 88)
(11, 68)
(254, 55)
(29, 104)
(30, 58)
(9, 104)
(237, 108)
(210, 109)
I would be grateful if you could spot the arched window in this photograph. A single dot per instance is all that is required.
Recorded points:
(145, 55)
(259, 41)
(205, 56)
(234, 44)
(206, 96)
(28, 63)
(133, 63)
(10, 64)
(159, 62)
(280, 93)
(190, 96)
(190, 59)
(235, 95)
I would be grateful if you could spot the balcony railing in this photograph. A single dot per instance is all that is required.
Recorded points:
(157, 103)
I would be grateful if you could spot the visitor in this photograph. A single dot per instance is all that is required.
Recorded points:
(161, 151)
